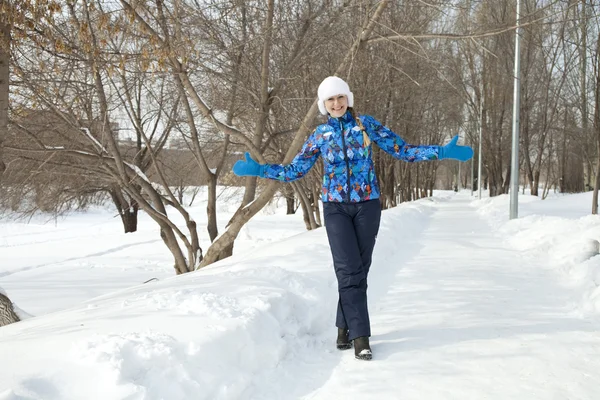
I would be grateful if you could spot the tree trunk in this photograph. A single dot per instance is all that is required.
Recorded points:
(169, 239)
(4, 89)
(153, 204)
(211, 208)
(563, 156)
(316, 195)
(526, 153)
(130, 218)
(290, 201)
(573, 172)
(536, 183)
(415, 187)
(506, 182)
(597, 128)
(305, 214)
(597, 183)
(392, 198)
(307, 209)
(128, 210)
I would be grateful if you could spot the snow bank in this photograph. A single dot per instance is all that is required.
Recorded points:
(563, 235)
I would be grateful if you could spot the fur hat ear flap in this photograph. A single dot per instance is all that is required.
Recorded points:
(350, 99)
(322, 108)
(333, 86)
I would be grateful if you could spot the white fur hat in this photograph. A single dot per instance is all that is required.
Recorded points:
(332, 86)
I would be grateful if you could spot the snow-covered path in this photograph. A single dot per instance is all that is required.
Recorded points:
(468, 318)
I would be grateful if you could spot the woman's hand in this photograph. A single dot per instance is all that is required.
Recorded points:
(454, 151)
(249, 167)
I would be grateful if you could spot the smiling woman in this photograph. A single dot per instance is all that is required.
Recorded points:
(334, 96)
(337, 105)
(350, 196)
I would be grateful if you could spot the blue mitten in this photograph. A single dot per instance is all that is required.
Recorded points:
(249, 167)
(452, 150)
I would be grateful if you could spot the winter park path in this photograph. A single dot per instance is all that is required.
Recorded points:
(456, 314)
(467, 318)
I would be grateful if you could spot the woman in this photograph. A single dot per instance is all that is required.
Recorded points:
(350, 196)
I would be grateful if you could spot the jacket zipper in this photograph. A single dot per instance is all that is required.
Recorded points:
(347, 162)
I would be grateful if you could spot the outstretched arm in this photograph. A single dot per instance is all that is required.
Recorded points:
(299, 166)
(393, 144)
(397, 147)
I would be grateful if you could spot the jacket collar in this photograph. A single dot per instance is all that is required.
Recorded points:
(346, 118)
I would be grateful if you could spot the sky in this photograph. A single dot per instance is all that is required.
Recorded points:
(464, 303)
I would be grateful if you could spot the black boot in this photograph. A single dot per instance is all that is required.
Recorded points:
(362, 350)
(342, 342)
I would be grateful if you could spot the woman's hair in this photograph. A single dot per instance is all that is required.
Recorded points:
(366, 140)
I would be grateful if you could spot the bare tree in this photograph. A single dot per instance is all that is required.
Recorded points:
(544, 77)
(4, 77)
(597, 123)
(14, 15)
(90, 144)
(223, 77)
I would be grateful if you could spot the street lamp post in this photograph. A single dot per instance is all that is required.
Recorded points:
(479, 183)
(514, 169)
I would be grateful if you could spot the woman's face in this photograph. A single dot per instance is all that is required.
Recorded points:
(337, 105)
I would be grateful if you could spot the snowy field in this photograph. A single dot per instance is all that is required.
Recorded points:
(464, 305)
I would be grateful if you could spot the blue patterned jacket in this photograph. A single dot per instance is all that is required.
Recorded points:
(349, 172)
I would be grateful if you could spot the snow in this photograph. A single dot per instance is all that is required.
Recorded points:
(89, 135)
(138, 172)
(464, 304)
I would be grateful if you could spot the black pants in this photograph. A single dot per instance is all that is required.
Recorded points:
(352, 229)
